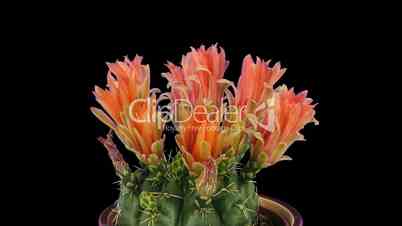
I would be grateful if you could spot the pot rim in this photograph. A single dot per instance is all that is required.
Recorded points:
(285, 211)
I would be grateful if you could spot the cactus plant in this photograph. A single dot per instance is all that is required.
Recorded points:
(225, 136)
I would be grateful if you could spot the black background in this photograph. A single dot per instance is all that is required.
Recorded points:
(79, 176)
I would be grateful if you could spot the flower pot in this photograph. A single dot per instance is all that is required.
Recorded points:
(272, 213)
(278, 213)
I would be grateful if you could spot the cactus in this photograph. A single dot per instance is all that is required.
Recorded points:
(206, 182)
(167, 196)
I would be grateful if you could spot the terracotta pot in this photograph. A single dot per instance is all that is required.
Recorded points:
(274, 212)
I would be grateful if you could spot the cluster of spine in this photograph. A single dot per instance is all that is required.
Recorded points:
(166, 195)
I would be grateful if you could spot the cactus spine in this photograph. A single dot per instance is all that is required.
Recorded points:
(166, 195)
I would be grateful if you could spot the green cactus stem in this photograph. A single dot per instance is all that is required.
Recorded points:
(166, 196)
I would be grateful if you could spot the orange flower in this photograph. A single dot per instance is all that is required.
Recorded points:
(200, 141)
(203, 144)
(132, 108)
(200, 76)
(253, 95)
(256, 81)
(289, 115)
